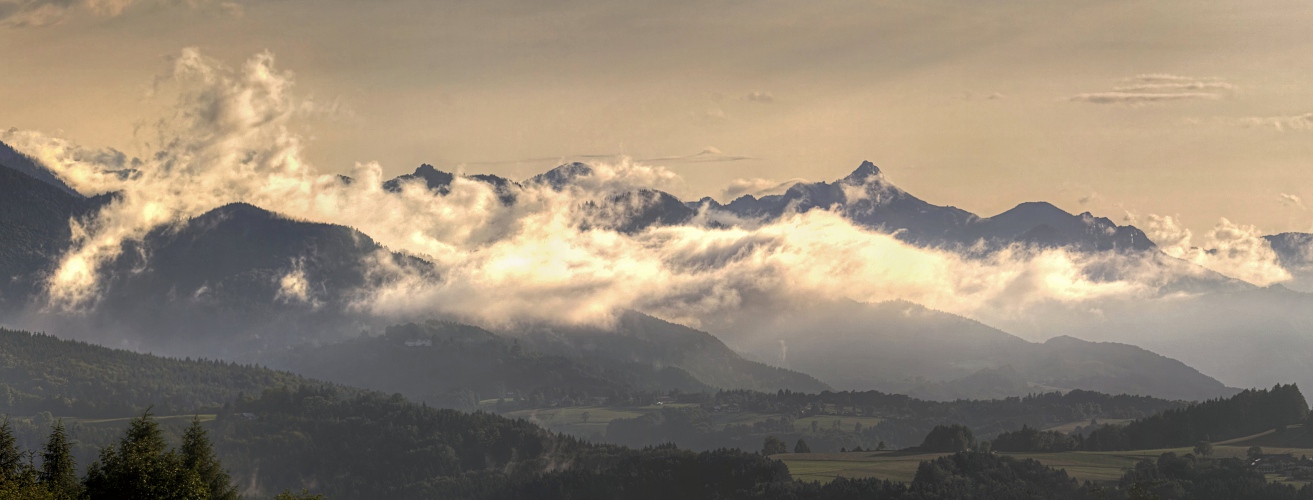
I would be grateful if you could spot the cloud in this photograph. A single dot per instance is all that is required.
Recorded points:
(759, 97)
(294, 287)
(1234, 250)
(1153, 88)
(24, 13)
(1141, 97)
(709, 154)
(1280, 123)
(756, 187)
(1291, 200)
(1087, 199)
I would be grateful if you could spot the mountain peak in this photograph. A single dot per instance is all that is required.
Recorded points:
(865, 172)
(561, 176)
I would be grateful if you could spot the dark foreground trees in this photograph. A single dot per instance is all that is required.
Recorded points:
(139, 466)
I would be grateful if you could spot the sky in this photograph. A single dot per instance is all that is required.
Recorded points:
(1199, 110)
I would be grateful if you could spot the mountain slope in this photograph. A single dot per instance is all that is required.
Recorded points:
(437, 362)
(241, 280)
(643, 339)
(34, 231)
(11, 158)
(905, 348)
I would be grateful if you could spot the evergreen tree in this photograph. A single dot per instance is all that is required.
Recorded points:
(801, 447)
(11, 458)
(141, 466)
(198, 456)
(58, 469)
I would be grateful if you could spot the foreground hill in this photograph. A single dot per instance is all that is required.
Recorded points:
(69, 378)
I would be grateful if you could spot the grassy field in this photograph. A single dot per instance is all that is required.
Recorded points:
(1094, 466)
(186, 419)
(570, 419)
(1068, 427)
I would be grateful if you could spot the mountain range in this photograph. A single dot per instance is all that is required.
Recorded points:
(219, 284)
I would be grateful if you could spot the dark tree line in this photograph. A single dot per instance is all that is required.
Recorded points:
(1250, 412)
(139, 466)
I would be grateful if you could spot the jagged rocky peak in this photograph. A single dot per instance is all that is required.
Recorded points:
(865, 173)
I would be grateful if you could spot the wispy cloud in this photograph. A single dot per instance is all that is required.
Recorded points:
(32, 13)
(1291, 200)
(710, 154)
(1280, 123)
(1154, 88)
(760, 97)
(757, 187)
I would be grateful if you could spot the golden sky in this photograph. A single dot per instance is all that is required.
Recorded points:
(1191, 108)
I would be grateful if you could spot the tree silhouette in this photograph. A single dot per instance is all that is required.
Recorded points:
(141, 466)
(198, 456)
(801, 447)
(58, 469)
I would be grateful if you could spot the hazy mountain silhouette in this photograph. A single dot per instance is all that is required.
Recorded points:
(905, 348)
(637, 337)
(436, 361)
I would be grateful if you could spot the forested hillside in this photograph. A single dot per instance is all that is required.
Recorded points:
(69, 378)
(1250, 412)
(455, 366)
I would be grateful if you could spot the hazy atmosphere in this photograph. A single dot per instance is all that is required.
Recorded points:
(1189, 108)
(1063, 228)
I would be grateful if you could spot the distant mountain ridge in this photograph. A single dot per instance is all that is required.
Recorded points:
(868, 198)
(905, 348)
(218, 284)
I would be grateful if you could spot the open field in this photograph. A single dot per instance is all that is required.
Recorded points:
(570, 419)
(1096, 466)
(1068, 427)
(166, 418)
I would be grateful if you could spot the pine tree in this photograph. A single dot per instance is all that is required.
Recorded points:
(11, 458)
(198, 456)
(141, 466)
(58, 469)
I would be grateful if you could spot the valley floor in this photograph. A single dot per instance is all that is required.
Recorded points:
(1094, 466)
